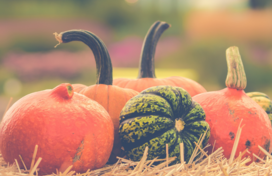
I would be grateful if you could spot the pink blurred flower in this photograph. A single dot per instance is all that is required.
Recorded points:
(127, 52)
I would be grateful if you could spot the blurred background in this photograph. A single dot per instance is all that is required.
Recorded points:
(194, 46)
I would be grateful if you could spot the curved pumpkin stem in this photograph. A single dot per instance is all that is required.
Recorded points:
(147, 69)
(236, 77)
(100, 52)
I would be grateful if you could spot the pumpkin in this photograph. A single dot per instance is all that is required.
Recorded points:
(69, 129)
(227, 107)
(111, 97)
(146, 77)
(263, 100)
(158, 116)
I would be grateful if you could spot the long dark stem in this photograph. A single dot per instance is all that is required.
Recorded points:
(146, 67)
(100, 52)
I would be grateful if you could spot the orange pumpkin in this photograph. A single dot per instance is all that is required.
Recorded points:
(226, 108)
(64, 125)
(112, 98)
(147, 76)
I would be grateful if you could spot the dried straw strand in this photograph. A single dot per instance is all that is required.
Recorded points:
(181, 151)
(258, 158)
(265, 152)
(167, 154)
(18, 166)
(195, 151)
(22, 162)
(235, 145)
(223, 169)
(67, 170)
(34, 156)
(202, 151)
(35, 166)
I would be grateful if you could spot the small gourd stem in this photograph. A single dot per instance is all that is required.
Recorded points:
(146, 67)
(100, 52)
(236, 77)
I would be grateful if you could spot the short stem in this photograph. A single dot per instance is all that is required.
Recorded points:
(100, 52)
(236, 77)
(147, 69)
(179, 125)
(64, 90)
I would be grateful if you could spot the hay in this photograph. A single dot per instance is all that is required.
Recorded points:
(214, 164)
(205, 165)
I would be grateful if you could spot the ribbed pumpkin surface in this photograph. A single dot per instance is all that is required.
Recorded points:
(158, 116)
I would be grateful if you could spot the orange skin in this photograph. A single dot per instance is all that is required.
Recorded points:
(113, 99)
(192, 87)
(68, 129)
(224, 110)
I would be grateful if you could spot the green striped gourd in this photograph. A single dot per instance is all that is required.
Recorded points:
(263, 100)
(158, 116)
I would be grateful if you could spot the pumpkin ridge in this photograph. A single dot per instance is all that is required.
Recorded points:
(156, 147)
(130, 116)
(126, 84)
(130, 146)
(171, 148)
(175, 115)
(180, 94)
(187, 146)
(173, 152)
(184, 139)
(153, 126)
(120, 82)
(197, 134)
(145, 104)
(170, 80)
(187, 116)
(157, 94)
(126, 96)
(187, 110)
(137, 84)
(145, 115)
(191, 86)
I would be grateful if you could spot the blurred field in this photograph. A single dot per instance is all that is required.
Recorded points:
(245, 26)
(194, 46)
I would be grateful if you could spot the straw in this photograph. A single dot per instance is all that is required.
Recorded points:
(34, 156)
(23, 162)
(181, 150)
(235, 145)
(35, 166)
(167, 154)
(18, 166)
